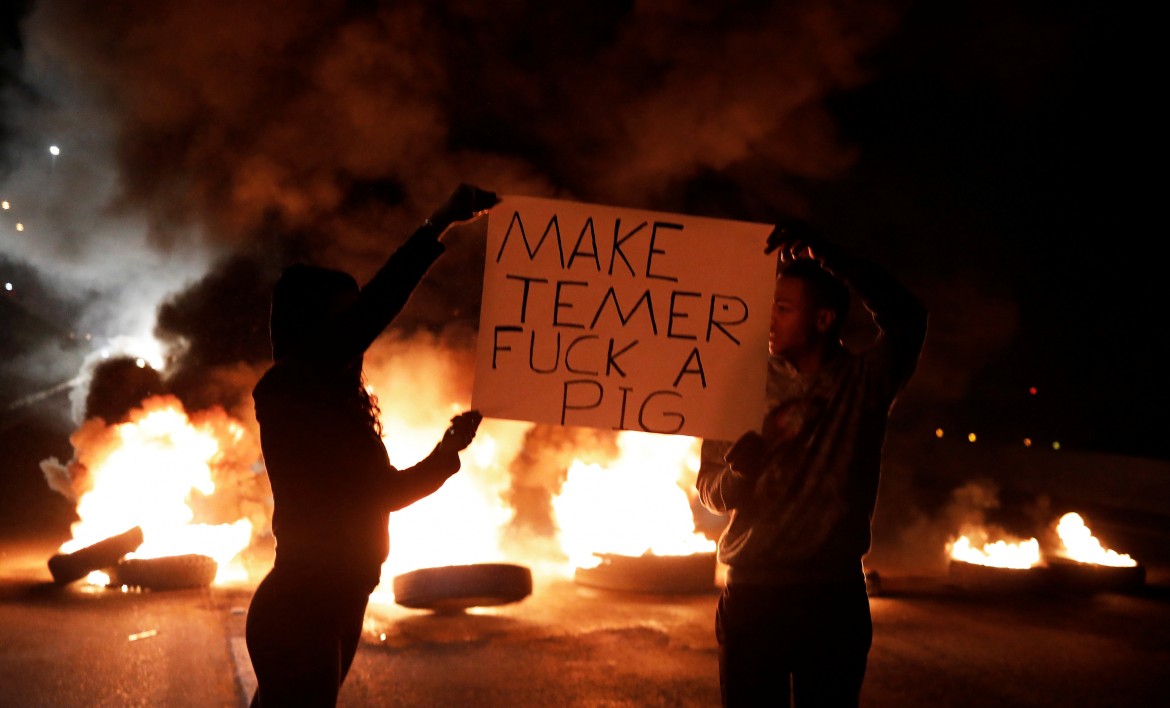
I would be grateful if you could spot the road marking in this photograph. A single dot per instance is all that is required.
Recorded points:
(245, 676)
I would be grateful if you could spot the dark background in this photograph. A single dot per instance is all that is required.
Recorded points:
(1002, 158)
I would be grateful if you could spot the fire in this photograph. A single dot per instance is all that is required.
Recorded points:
(637, 504)
(460, 523)
(999, 554)
(195, 483)
(1077, 543)
(420, 385)
(154, 471)
(1080, 544)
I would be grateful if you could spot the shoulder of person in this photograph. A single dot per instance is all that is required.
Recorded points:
(286, 379)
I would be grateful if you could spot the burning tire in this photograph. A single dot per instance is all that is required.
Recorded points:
(66, 568)
(991, 579)
(166, 573)
(1089, 577)
(652, 574)
(1058, 576)
(455, 588)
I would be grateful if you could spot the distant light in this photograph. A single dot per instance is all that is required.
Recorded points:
(54, 150)
(141, 363)
(5, 205)
(1032, 390)
(20, 227)
(971, 437)
(8, 287)
(1027, 442)
(1055, 444)
(938, 432)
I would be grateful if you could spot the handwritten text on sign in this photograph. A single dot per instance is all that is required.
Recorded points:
(614, 318)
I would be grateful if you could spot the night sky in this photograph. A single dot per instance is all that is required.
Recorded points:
(998, 156)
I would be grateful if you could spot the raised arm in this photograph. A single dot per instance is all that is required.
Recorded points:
(384, 296)
(900, 316)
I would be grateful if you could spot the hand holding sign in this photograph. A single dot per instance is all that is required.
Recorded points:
(746, 457)
(795, 239)
(462, 430)
(624, 319)
(467, 203)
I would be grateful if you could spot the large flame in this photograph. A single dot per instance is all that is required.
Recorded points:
(419, 386)
(162, 470)
(462, 522)
(636, 504)
(1077, 543)
(999, 554)
(150, 472)
(1080, 544)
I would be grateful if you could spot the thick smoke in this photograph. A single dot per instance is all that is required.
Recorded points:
(206, 143)
(195, 134)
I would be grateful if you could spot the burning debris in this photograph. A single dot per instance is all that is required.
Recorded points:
(105, 563)
(643, 539)
(1078, 562)
(187, 483)
(528, 496)
(69, 567)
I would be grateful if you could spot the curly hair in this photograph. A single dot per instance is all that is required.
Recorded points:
(369, 405)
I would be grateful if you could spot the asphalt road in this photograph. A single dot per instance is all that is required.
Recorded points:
(570, 645)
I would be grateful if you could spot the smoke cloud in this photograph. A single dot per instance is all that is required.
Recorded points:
(197, 137)
(205, 144)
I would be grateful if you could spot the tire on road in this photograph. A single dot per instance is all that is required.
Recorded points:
(454, 588)
(66, 568)
(167, 573)
(689, 574)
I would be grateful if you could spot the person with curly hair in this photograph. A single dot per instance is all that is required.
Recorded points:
(333, 486)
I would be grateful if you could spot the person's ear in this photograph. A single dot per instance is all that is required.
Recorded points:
(825, 319)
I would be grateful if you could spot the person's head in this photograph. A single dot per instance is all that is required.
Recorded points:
(304, 302)
(808, 309)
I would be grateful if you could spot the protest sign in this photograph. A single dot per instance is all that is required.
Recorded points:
(625, 319)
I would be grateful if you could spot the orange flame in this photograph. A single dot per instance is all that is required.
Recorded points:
(149, 471)
(1077, 543)
(640, 503)
(1080, 544)
(999, 554)
(164, 471)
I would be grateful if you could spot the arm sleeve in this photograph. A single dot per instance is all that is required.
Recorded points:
(720, 489)
(403, 487)
(387, 293)
(900, 316)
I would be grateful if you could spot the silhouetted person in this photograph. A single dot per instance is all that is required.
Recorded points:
(333, 485)
(794, 613)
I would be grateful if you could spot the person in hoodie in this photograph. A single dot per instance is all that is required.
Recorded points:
(793, 620)
(333, 485)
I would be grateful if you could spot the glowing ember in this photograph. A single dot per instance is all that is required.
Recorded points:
(1000, 554)
(637, 504)
(1080, 544)
(150, 472)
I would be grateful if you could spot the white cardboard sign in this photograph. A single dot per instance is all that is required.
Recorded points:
(625, 319)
